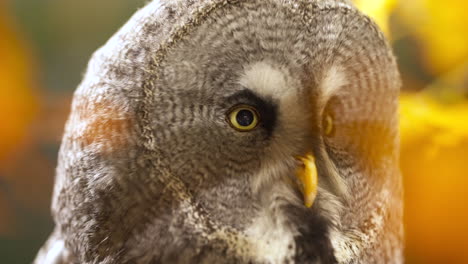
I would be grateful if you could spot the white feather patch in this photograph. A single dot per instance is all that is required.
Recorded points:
(272, 241)
(265, 80)
(54, 253)
(333, 80)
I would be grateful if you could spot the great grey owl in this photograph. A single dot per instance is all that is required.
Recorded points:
(228, 131)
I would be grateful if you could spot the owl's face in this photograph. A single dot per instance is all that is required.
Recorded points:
(217, 105)
(243, 94)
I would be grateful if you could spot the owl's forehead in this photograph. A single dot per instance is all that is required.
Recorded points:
(277, 48)
(267, 50)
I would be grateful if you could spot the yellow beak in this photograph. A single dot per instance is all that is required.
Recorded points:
(307, 176)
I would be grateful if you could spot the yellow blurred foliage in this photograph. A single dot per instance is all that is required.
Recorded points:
(17, 101)
(441, 125)
(434, 164)
(442, 29)
(440, 26)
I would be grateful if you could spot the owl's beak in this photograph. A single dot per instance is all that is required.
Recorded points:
(307, 177)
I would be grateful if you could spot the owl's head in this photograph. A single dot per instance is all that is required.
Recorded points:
(201, 128)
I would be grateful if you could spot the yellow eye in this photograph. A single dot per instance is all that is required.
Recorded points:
(243, 117)
(327, 125)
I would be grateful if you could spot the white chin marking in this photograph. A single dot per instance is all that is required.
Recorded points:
(271, 240)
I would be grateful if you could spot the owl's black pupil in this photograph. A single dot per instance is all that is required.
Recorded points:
(245, 117)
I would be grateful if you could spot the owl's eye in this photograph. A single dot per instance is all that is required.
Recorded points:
(327, 125)
(243, 117)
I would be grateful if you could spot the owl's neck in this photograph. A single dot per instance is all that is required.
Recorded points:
(283, 230)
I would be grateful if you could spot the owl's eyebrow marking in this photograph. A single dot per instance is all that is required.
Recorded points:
(266, 107)
(334, 79)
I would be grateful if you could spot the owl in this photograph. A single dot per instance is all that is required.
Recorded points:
(228, 131)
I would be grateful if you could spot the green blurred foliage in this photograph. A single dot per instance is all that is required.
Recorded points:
(57, 37)
(64, 34)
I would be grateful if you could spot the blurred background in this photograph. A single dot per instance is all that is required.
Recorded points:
(44, 48)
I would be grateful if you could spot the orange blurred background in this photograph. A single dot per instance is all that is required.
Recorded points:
(44, 48)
